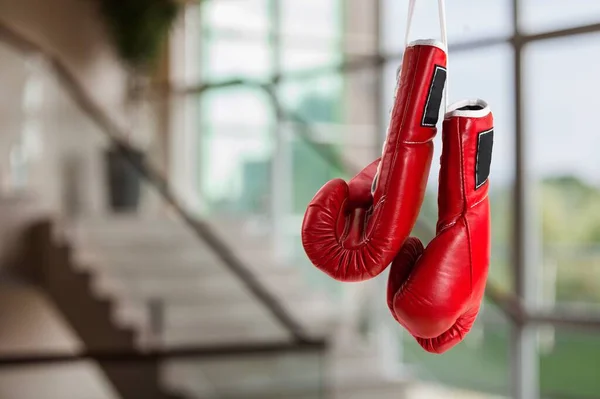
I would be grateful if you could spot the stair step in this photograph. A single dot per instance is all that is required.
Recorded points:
(141, 263)
(134, 261)
(154, 254)
(157, 257)
(260, 373)
(134, 229)
(171, 245)
(136, 264)
(193, 291)
(207, 336)
(134, 270)
(215, 283)
(120, 222)
(118, 231)
(244, 237)
(312, 313)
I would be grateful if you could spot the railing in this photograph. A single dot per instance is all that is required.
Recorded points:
(116, 136)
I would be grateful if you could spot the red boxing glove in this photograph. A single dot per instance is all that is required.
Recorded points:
(353, 231)
(436, 292)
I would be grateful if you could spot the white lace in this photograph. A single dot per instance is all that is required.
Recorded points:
(443, 33)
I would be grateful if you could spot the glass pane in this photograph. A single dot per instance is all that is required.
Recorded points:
(250, 16)
(235, 160)
(226, 58)
(316, 19)
(242, 106)
(235, 39)
(560, 86)
(568, 363)
(318, 61)
(543, 15)
(236, 166)
(467, 21)
(494, 84)
(479, 363)
(313, 277)
(313, 165)
(316, 100)
(311, 32)
(315, 142)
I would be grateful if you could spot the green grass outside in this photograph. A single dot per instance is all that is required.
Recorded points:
(571, 370)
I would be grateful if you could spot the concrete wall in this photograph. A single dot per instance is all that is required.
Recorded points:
(361, 109)
(361, 97)
(66, 153)
(28, 321)
(16, 213)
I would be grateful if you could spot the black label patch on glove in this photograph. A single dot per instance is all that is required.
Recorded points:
(485, 142)
(431, 112)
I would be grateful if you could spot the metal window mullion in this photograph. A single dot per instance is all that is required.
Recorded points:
(523, 345)
(281, 165)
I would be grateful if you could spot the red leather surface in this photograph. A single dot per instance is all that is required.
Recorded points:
(352, 235)
(436, 292)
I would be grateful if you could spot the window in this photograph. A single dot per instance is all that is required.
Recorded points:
(568, 363)
(242, 17)
(467, 21)
(545, 15)
(485, 74)
(560, 97)
(479, 363)
(236, 152)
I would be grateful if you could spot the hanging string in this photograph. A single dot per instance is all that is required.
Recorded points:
(443, 32)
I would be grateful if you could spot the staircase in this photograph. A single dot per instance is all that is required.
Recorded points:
(134, 283)
(90, 316)
(160, 263)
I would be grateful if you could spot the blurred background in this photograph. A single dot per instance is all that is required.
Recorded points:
(156, 159)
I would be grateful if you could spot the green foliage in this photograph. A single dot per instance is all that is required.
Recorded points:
(312, 170)
(318, 108)
(570, 211)
(139, 27)
(569, 371)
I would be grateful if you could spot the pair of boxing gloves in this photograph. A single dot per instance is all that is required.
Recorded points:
(353, 231)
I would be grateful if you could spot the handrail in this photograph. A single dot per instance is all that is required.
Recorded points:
(12, 359)
(115, 134)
